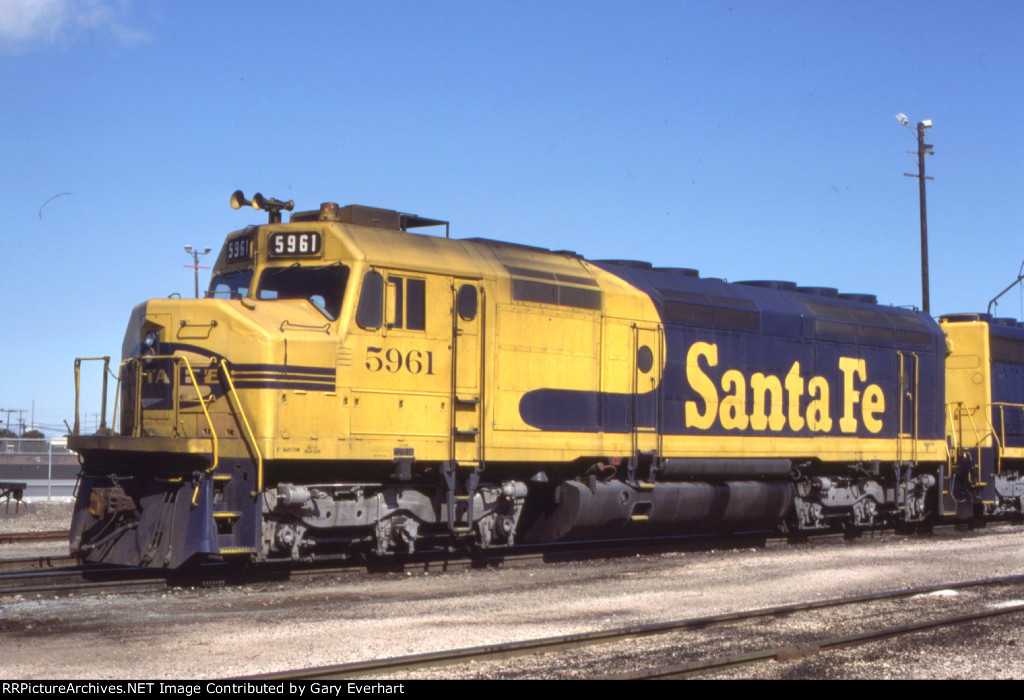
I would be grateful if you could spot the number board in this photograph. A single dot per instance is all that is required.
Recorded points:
(239, 249)
(299, 243)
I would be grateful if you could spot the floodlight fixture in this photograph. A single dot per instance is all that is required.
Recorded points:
(194, 252)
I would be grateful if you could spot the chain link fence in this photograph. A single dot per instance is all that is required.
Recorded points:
(46, 467)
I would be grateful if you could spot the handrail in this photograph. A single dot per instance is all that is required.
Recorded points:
(962, 409)
(233, 401)
(117, 395)
(914, 397)
(899, 409)
(998, 434)
(245, 422)
(1002, 406)
(978, 440)
(78, 388)
(288, 325)
(202, 404)
(177, 360)
(953, 424)
(917, 381)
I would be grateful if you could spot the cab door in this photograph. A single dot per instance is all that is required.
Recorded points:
(401, 387)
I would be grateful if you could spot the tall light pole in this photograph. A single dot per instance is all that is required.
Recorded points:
(194, 252)
(923, 149)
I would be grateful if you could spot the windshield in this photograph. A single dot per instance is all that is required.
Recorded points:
(323, 287)
(231, 285)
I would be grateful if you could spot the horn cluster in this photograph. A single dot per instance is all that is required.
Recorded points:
(272, 206)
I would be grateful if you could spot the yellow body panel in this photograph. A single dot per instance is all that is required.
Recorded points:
(968, 385)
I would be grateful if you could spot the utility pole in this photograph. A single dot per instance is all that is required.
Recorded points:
(9, 411)
(923, 149)
(194, 252)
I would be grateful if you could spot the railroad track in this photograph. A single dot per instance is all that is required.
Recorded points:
(818, 646)
(62, 575)
(77, 580)
(705, 663)
(25, 574)
(32, 564)
(33, 536)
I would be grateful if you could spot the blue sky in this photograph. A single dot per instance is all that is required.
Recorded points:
(750, 140)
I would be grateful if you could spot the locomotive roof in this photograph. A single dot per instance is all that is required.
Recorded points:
(775, 307)
(681, 296)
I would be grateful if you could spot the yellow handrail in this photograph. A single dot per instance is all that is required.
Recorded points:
(177, 360)
(202, 404)
(248, 428)
(963, 409)
(978, 440)
(78, 388)
(117, 395)
(1001, 439)
(953, 424)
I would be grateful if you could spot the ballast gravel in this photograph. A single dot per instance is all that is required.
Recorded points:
(228, 632)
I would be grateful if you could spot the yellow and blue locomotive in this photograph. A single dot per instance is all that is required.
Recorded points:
(349, 386)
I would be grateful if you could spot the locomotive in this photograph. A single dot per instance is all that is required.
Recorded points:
(352, 387)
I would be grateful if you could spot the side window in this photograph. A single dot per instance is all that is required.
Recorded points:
(396, 302)
(407, 303)
(466, 302)
(416, 304)
(370, 312)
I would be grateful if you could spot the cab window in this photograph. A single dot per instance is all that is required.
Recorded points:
(323, 287)
(370, 313)
(232, 285)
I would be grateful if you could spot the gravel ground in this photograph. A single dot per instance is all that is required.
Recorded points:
(994, 649)
(226, 632)
(35, 517)
(31, 517)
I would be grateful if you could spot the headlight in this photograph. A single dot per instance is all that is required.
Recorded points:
(150, 343)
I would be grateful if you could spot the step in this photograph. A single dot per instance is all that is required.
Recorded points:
(238, 550)
(227, 515)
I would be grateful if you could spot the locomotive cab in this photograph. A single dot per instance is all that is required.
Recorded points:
(311, 401)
